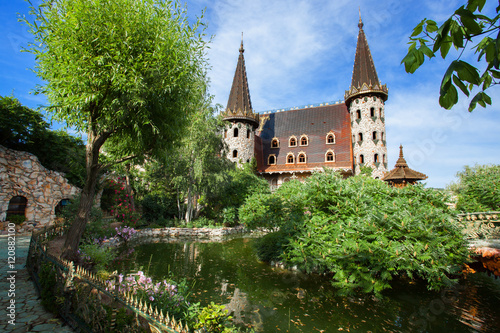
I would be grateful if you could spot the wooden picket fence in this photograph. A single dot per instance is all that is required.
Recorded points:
(81, 298)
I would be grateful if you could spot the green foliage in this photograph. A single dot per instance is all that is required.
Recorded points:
(203, 222)
(271, 246)
(48, 287)
(156, 207)
(24, 129)
(464, 28)
(366, 233)
(283, 208)
(16, 219)
(97, 256)
(213, 318)
(478, 188)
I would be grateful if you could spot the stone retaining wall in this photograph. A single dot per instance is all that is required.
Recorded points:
(187, 233)
(21, 174)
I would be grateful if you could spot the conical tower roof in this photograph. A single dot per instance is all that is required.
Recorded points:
(364, 75)
(402, 173)
(239, 105)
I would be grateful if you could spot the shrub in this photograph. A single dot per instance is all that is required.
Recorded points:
(96, 256)
(17, 219)
(478, 188)
(271, 246)
(362, 231)
(213, 318)
(156, 207)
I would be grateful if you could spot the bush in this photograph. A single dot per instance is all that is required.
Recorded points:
(16, 219)
(156, 207)
(478, 188)
(362, 231)
(270, 247)
(96, 256)
(213, 318)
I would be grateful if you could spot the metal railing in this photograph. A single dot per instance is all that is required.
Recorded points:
(81, 298)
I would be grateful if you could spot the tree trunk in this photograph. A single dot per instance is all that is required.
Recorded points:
(189, 206)
(77, 228)
(129, 188)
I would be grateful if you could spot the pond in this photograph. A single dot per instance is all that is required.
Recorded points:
(272, 299)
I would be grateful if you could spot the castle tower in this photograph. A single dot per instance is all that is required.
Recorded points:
(241, 121)
(365, 102)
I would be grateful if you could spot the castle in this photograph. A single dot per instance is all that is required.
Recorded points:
(294, 143)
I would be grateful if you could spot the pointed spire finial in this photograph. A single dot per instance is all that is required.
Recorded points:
(360, 24)
(241, 47)
(400, 150)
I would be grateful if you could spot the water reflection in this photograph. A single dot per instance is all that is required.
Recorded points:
(272, 299)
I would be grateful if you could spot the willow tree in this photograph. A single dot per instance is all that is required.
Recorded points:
(127, 71)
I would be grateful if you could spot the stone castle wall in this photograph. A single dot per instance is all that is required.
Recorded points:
(21, 174)
(244, 143)
(366, 125)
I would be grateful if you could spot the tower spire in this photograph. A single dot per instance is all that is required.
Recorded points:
(239, 104)
(364, 75)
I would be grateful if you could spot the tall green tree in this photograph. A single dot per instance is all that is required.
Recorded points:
(199, 165)
(467, 28)
(127, 71)
(22, 128)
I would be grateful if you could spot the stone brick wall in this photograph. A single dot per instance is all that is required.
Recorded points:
(21, 174)
(242, 144)
(366, 125)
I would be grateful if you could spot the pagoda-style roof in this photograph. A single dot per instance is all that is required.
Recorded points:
(402, 174)
(364, 76)
(239, 105)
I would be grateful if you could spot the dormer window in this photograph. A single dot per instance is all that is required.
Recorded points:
(330, 156)
(302, 157)
(275, 143)
(330, 138)
(304, 141)
(290, 159)
(271, 160)
(292, 142)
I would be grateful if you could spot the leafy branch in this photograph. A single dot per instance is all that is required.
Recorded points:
(465, 26)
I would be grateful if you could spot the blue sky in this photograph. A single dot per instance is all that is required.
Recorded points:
(302, 52)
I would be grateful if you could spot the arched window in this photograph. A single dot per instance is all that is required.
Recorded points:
(302, 158)
(235, 153)
(358, 114)
(17, 206)
(61, 205)
(372, 112)
(330, 156)
(275, 143)
(271, 160)
(292, 142)
(380, 112)
(225, 133)
(375, 158)
(374, 135)
(248, 133)
(330, 138)
(383, 158)
(360, 136)
(235, 132)
(303, 140)
(361, 159)
(381, 135)
(290, 159)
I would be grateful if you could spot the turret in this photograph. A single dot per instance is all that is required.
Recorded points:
(241, 121)
(365, 101)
